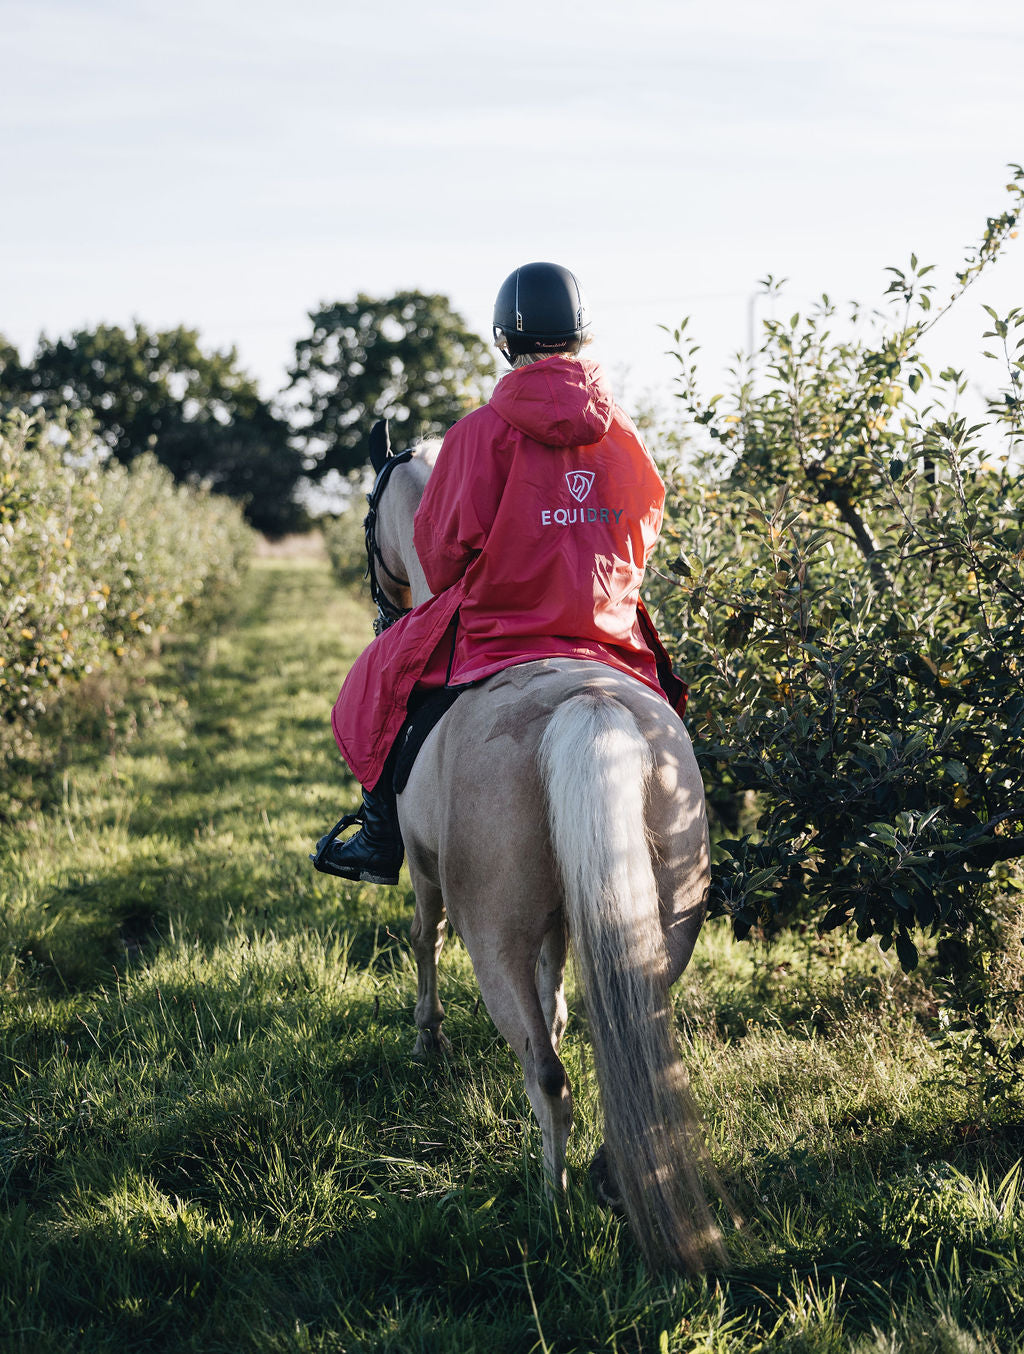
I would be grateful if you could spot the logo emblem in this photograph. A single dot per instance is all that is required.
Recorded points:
(580, 483)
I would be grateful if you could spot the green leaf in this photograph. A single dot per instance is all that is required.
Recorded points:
(906, 951)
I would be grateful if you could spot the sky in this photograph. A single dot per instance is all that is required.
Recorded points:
(232, 164)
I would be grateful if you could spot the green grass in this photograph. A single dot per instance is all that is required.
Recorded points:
(212, 1136)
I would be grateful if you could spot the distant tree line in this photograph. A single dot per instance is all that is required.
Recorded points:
(410, 358)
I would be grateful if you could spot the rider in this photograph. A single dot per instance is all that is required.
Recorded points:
(533, 532)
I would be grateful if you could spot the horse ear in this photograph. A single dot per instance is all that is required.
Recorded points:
(380, 445)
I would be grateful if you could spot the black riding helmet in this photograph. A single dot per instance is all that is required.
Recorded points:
(540, 307)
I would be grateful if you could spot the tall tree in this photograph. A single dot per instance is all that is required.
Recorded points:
(409, 358)
(11, 373)
(197, 411)
(849, 604)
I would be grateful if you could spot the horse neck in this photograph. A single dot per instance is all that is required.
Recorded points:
(398, 509)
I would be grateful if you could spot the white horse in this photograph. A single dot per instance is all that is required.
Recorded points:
(559, 802)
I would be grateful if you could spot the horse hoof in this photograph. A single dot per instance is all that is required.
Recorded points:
(602, 1180)
(431, 1044)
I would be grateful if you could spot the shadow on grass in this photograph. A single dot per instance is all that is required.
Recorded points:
(348, 1174)
(445, 1271)
(93, 929)
(86, 933)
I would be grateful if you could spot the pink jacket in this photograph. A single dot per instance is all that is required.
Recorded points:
(536, 525)
(547, 502)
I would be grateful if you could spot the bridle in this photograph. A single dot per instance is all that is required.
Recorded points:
(387, 611)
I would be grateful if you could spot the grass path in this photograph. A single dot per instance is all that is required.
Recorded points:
(212, 1137)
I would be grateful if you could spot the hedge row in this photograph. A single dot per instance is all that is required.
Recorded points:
(96, 560)
(345, 542)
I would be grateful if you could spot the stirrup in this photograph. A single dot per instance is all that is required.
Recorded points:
(325, 843)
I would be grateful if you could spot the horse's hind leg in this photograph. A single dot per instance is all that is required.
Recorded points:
(512, 1000)
(427, 935)
(677, 822)
(551, 982)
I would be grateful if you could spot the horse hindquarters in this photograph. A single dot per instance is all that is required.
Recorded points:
(597, 766)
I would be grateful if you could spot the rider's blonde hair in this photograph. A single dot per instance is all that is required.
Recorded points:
(524, 359)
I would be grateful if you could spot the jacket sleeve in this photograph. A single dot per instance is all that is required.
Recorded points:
(459, 504)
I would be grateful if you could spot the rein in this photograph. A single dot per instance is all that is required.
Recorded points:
(387, 612)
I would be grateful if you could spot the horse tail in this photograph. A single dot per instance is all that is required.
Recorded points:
(596, 766)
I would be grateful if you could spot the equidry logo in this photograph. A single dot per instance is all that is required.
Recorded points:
(580, 483)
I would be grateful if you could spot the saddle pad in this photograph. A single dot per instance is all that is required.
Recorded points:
(422, 718)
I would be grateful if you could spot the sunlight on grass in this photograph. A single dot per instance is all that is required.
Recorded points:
(213, 1137)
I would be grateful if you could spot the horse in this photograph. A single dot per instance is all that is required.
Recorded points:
(559, 803)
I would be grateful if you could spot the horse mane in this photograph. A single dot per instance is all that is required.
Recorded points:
(426, 449)
(398, 508)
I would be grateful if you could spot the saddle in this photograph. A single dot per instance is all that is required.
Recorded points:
(425, 711)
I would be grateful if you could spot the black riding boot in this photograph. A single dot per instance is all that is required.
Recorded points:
(374, 855)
